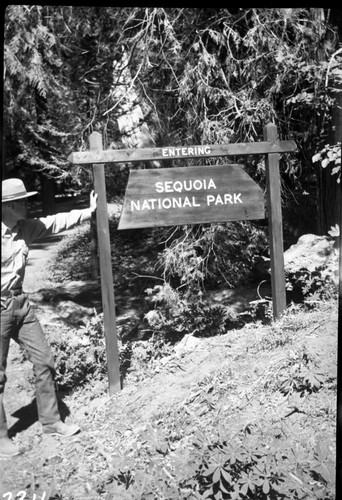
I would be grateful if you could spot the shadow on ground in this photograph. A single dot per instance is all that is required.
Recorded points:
(28, 415)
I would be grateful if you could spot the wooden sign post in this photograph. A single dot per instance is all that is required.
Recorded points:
(243, 200)
(106, 273)
(275, 225)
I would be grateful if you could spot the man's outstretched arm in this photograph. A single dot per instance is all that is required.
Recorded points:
(36, 229)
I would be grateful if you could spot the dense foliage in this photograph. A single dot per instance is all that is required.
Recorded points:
(202, 76)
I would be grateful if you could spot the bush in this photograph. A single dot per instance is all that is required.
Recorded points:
(73, 258)
(310, 287)
(80, 356)
(176, 315)
(255, 467)
(251, 465)
(207, 256)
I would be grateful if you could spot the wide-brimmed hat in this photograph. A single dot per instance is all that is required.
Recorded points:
(14, 189)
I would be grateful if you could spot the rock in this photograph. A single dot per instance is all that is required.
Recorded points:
(74, 313)
(188, 343)
(313, 253)
(74, 302)
(130, 326)
(84, 292)
(114, 209)
(130, 315)
(238, 299)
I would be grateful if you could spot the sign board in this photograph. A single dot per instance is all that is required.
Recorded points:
(190, 195)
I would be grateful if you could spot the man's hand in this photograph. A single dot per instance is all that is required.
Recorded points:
(93, 201)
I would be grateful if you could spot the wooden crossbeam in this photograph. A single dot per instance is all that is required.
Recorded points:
(173, 153)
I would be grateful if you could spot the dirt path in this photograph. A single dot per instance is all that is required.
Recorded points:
(40, 255)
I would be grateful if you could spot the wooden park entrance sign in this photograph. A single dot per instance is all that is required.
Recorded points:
(190, 195)
(186, 195)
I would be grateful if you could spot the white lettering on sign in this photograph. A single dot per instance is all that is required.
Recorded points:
(164, 203)
(183, 202)
(186, 151)
(179, 186)
(224, 199)
(186, 185)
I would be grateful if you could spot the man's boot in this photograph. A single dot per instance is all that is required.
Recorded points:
(59, 428)
(7, 448)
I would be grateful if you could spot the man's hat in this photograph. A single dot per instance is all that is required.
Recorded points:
(14, 189)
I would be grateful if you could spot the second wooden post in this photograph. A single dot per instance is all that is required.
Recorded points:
(275, 225)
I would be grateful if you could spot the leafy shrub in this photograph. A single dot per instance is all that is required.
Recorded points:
(177, 315)
(73, 258)
(196, 258)
(310, 287)
(301, 375)
(80, 356)
(208, 255)
(262, 465)
(259, 310)
(248, 467)
(330, 155)
(277, 337)
(146, 357)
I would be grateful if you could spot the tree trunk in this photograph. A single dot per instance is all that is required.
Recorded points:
(134, 130)
(47, 195)
(47, 185)
(329, 190)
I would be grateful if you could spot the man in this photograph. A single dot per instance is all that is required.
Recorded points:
(18, 320)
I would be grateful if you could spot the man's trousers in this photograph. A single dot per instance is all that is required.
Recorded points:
(19, 322)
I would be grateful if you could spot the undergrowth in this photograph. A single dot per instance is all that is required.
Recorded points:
(250, 465)
(200, 450)
(237, 436)
(175, 314)
(80, 354)
(205, 448)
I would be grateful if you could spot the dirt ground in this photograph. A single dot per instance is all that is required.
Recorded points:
(72, 466)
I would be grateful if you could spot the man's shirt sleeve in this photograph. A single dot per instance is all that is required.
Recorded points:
(36, 229)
